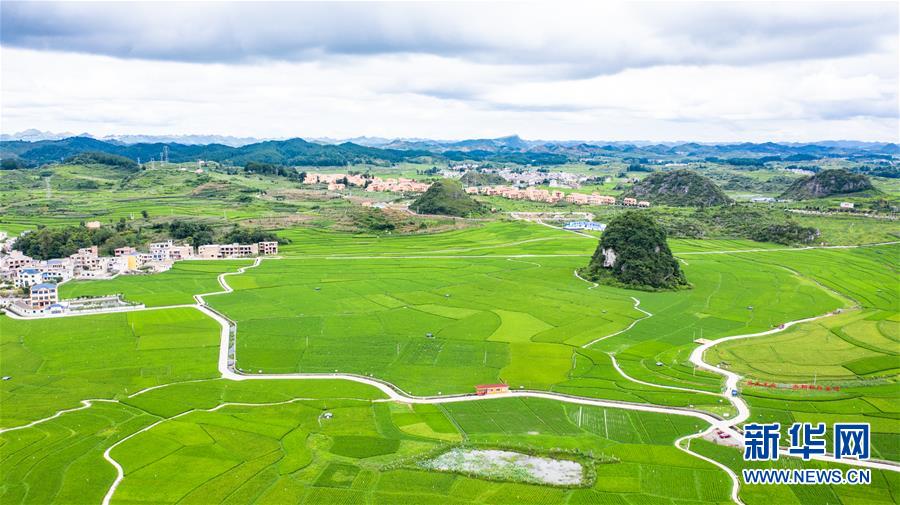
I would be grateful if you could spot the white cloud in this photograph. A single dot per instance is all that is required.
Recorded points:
(669, 71)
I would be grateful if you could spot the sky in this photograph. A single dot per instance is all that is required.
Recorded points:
(709, 72)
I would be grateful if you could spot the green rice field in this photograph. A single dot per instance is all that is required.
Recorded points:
(436, 314)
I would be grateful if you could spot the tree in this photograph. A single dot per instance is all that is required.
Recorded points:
(12, 164)
(145, 214)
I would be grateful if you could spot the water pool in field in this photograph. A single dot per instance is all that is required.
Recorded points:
(508, 465)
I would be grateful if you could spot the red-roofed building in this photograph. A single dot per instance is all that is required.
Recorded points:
(491, 389)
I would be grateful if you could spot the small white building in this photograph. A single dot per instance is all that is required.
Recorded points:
(846, 205)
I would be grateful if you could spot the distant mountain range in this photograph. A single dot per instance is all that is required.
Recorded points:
(33, 135)
(33, 149)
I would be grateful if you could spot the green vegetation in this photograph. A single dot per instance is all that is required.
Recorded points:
(101, 158)
(47, 243)
(241, 235)
(679, 188)
(446, 197)
(827, 183)
(255, 167)
(633, 252)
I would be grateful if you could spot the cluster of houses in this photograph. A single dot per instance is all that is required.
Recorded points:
(39, 278)
(535, 178)
(548, 196)
(338, 182)
(399, 185)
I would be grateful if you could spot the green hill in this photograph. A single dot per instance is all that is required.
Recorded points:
(679, 188)
(633, 253)
(473, 178)
(448, 198)
(281, 152)
(828, 183)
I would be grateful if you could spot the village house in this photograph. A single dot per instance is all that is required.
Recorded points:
(629, 201)
(61, 268)
(126, 263)
(220, 251)
(86, 258)
(168, 251)
(14, 261)
(43, 295)
(491, 389)
(27, 277)
(268, 248)
(92, 225)
(124, 251)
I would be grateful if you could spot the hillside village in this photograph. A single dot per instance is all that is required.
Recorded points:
(37, 281)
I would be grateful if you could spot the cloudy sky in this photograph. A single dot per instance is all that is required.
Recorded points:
(671, 71)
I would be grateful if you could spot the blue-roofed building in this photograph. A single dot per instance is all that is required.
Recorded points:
(585, 225)
(26, 277)
(56, 308)
(43, 295)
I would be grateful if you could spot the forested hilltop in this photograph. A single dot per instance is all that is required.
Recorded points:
(633, 253)
(679, 188)
(828, 183)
